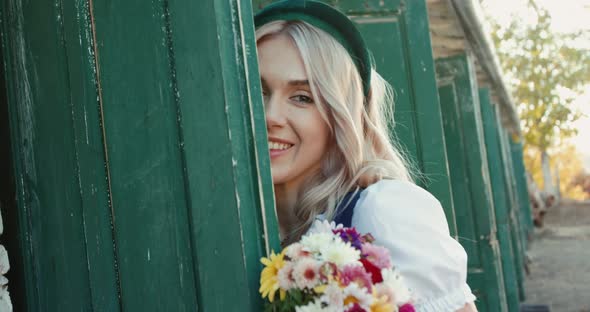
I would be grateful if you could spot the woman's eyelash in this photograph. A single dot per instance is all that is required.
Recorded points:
(303, 98)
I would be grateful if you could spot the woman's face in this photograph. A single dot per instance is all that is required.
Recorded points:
(297, 134)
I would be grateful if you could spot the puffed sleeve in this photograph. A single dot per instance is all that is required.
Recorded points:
(411, 223)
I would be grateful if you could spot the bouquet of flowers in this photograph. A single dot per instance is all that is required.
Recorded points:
(333, 269)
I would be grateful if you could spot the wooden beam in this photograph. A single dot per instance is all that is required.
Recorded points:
(471, 18)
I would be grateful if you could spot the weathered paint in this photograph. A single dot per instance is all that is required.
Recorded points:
(134, 193)
(517, 244)
(470, 180)
(501, 200)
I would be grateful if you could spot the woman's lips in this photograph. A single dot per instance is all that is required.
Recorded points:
(274, 153)
(278, 147)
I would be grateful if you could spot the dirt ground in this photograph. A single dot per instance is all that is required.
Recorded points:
(560, 260)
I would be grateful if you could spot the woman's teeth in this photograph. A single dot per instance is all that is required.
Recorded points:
(278, 146)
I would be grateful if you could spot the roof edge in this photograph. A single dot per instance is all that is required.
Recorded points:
(472, 21)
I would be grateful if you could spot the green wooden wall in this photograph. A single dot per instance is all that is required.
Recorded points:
(501, 200)
(470, 180)
(518, 246)
(141, 165)
(141, 185)
(521, 188)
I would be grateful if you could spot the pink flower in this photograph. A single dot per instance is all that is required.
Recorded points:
(379, 256)
(407, 308)
(356, 274)
(328, 271)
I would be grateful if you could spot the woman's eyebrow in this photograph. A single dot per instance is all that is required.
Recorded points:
(303, 82)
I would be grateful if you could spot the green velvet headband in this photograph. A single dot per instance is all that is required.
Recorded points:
(329, 20)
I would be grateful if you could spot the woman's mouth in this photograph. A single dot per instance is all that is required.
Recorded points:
(277, 149)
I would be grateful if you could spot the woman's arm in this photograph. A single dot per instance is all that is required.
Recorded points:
(469, 307)
(411, 224)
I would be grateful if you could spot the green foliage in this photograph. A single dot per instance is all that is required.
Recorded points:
(294, 298)
(542, 66)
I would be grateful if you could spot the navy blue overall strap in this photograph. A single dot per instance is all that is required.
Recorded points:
(345, 210)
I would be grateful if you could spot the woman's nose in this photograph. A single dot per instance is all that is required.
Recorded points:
(275, 116)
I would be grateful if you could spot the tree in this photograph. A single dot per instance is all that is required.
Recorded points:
(546, 72)
(568, 160)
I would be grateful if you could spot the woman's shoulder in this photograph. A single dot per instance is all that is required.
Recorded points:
(395, 201)
(411, 224)
(400, 189)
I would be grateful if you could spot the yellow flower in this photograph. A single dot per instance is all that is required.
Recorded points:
(381, 303)
(320, 289)
(269, 282)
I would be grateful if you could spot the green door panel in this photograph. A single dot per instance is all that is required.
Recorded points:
(501, 201)
(470, 180)
(64, 216)
(143, 184)
(468, 236)
(145, 162)
(398, 36)
(514, 208)
(521, 187)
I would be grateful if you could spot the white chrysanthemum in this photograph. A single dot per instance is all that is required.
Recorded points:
(316, 306)
(395, 282)
(306, 273)
(316, 241)
(340, 253)
(285, 276)
(353, 293)
(294, 251)
(323, 226)
(333, 296)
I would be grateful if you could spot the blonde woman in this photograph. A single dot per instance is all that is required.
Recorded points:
(331, 157)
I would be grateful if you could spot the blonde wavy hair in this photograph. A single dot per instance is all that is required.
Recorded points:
(362, 153)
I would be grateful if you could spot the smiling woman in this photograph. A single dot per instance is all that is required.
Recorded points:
(331, 158)
(298, 134)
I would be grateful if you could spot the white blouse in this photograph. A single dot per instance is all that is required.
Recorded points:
(411, 223)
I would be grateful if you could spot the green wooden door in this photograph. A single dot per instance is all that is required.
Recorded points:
(141, 185)
(514, 211)
(501, 200)
(521, 187)
(470, 180)
(398, 36)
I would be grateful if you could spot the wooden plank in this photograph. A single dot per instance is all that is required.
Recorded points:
(185, 136)
(469, 169)
(43, 140)
(517, 245)
(501, 201)
(525, 216)
(234, 221)
(385, 41)
(431, 141)
(91, 158)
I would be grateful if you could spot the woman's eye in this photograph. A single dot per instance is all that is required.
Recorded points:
(302, 99)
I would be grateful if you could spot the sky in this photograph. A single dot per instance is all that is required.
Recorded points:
(567, 16)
